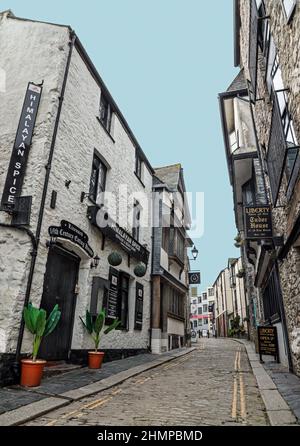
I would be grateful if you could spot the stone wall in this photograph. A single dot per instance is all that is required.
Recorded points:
(286, 37)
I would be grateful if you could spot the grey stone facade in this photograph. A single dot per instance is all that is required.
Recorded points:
(275, 80)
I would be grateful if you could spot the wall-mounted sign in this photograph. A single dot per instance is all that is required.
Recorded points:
(16, 170)
(113, 293)
(194, 278)
(258, 222)
(139, 300)
(68, 231)
(268, 342)
(114, 232)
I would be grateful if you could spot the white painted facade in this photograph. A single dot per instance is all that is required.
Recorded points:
(79, 133)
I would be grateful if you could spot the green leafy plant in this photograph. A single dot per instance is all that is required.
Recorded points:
(37, 323)
(95, 326)
(236, 329)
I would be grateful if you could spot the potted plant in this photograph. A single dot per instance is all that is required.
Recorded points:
(37, 323)
(95, 328)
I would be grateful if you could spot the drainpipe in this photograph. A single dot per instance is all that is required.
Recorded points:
(36, 238)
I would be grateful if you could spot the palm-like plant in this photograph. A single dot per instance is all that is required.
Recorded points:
(37, 323)
(95, 326)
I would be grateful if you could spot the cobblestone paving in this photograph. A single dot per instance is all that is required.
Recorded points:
(213, 385)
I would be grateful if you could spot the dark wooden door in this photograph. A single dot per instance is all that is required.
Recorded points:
(59, 288)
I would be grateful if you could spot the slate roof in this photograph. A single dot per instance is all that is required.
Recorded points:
(169, 175)
(239, 82)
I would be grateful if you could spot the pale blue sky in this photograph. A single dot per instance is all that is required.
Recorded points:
(164, 62)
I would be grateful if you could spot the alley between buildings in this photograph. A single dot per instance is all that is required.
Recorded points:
(213, 385)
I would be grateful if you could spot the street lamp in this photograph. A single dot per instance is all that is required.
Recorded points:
(195, 253)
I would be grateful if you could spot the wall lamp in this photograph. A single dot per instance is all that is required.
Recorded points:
(95, 262)
(195, 253)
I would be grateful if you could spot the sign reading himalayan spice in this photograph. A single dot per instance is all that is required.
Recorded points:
(258, 222)
(16, 170)
(267, 342)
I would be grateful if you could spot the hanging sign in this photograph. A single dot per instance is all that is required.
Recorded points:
(118, 235)
(16, 170)
(69, 231)
(194, 278)
(258, 222)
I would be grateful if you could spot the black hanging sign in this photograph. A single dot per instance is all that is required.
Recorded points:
(113, 293)
(139, 300)
(194, 278)
(258, 222)
(267, 342)
(71, 232)
(16, 170)
(114, 232)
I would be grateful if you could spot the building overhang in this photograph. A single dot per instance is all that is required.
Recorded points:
(227, 121)
(241, 172)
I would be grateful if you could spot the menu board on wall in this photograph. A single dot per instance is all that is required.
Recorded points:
(113, 292)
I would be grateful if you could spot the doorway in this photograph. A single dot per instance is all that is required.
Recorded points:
(59, 288)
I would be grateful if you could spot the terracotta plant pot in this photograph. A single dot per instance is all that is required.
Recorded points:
(31, 372)
(95, 360)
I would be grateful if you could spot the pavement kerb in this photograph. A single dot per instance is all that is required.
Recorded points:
(278, 411)
(31, 411)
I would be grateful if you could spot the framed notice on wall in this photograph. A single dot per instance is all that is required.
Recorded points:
(139, 303)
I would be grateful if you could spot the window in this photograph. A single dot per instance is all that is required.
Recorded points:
(98, 178)
(200, 322)
(283, 145)
(176, 303)
(105, 112)
(289, 7)
(177, 244)
(205, 321)
(199, 310)
(195, 324)
(138, 166)
(211, 292)
(199, 300)
(204, 296)
(205, 308)
(165, 239)
(136, 221)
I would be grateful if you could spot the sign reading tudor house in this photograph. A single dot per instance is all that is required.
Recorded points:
(19, 157)
(68, 231)
(114, 232)
(258, 222)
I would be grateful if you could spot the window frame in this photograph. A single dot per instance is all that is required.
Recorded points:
(106, 123)
(97, 187)
(289, 15)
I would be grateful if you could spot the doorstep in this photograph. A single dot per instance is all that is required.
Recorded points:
(19, 405)
(279, 389)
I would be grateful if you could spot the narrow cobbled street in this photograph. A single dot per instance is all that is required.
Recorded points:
(213, 385)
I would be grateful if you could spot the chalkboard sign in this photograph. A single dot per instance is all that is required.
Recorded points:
(267, 342)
